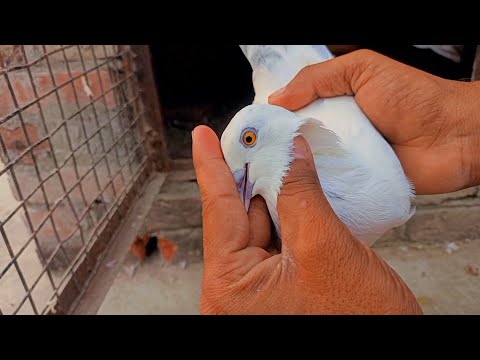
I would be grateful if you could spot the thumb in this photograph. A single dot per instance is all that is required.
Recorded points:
(306, 217)
(343, 75)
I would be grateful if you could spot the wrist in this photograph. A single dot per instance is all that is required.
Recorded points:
(463, 111)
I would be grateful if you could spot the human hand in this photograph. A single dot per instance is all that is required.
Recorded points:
(322, 268)
(433, 124)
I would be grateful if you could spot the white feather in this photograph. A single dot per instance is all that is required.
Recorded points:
(360, 174)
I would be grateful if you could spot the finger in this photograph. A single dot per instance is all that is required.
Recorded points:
(259, 223)
(225, 223)
(343, 75)
(306, 217)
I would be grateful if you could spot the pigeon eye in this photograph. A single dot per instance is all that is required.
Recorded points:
(249, 138)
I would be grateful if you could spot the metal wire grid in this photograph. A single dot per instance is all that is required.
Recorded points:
(128, 105)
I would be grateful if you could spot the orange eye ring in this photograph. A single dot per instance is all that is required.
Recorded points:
(249, 138)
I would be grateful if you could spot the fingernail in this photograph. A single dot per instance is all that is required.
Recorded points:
(300, 148)
(278, 92)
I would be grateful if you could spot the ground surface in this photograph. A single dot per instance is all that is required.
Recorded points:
(437, 278)
(436, 273)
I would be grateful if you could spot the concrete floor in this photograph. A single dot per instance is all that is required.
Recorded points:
(155, 288)
(436, 275)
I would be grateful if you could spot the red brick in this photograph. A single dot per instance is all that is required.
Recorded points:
(73, 56)
(54, 190)
(16, 143)
(11, 55)
(6, 102)
(67, 94)
(22, 88)
(68, 231)
(64, 219)
(24, 92)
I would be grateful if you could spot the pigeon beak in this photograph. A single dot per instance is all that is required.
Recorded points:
(244, 186)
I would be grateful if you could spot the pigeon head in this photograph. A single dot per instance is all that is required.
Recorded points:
(257, 146)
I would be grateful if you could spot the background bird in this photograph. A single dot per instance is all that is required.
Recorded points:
(360, 174)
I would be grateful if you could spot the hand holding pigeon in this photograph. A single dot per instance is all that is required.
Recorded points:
(433, 124)
(322, 268)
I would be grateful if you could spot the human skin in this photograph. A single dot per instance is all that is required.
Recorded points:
(433, 124)
(322, 268)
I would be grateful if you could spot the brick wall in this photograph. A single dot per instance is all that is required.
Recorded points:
(79, 142)
(441, 218)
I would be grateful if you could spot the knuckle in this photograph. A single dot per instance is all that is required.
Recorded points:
(229, 268)
(299, 182)
(218, 202)
(208, 203)
(365, 54)
(208, 207)
(362, 66)
(306, 70)
(305, 74)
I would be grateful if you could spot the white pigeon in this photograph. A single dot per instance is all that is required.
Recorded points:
(360, 174)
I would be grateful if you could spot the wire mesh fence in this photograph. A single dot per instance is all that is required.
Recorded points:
(72, 148)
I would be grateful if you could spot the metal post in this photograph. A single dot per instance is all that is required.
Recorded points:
(476, 66)
(156, 129)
